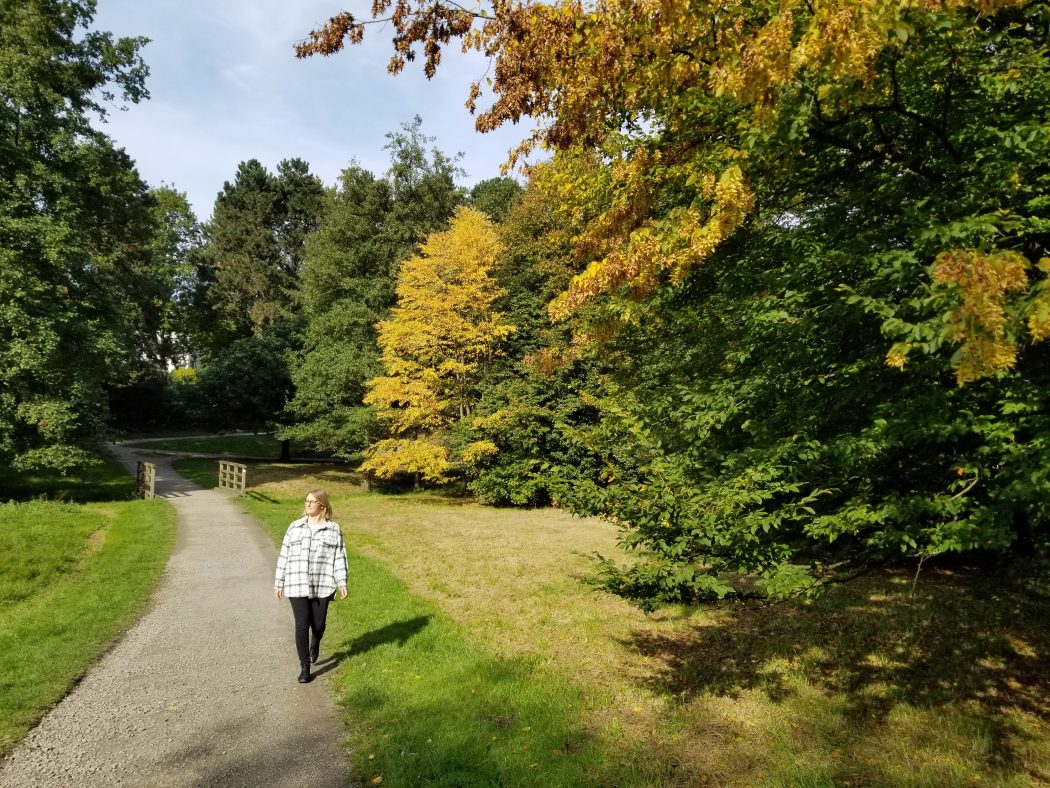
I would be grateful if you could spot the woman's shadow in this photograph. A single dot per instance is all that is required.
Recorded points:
(398, 632)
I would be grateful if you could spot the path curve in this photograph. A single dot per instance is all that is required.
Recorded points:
(202, 690)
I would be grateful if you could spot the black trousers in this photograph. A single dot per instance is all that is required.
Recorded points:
(310, 614)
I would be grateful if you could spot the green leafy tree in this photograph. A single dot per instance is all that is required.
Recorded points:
(347, 286)
(248, 385)
(494, 196)
(423, 187)
(534, 398)
(814, 246)
(435, 343)
(177, 236)
(74, 227)
(145, 399)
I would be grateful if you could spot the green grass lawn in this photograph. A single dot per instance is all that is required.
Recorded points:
(467, 623)
(425, 705)
(228, 445)
(72, 577)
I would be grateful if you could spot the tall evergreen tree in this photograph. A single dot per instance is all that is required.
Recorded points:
(255, 241)
(347, 285)
(345, 289)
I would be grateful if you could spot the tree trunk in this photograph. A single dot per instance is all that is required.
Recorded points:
(286, 450)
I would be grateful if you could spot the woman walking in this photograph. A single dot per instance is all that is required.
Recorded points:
(310, 567)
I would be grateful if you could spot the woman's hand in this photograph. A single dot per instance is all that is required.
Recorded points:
(278, 593)
(342, 593)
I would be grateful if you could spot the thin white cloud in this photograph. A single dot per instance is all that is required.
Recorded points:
(226, 87)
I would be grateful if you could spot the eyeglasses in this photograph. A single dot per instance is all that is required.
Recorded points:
(310, 501)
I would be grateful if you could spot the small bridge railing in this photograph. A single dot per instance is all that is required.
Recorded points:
(145, 480)
(232, 476)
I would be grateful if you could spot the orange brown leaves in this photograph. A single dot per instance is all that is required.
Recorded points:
(332, 37)
(669, 246)
(979, 323)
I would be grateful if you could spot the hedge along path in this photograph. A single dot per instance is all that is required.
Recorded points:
(202, 690)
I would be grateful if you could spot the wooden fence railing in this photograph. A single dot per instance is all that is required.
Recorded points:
(145, 480)
(232, 476)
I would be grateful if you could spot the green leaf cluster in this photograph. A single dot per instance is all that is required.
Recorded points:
(75, 224)
(757, 440)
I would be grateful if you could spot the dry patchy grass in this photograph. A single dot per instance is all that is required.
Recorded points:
(867, 685)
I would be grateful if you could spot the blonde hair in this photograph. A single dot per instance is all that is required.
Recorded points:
(322, 498)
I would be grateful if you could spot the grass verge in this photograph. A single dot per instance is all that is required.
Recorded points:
(73, 577)
(876, 683)
(202, 472)
(229, 445)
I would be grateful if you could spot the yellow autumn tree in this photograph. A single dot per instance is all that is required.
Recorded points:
(434, 347)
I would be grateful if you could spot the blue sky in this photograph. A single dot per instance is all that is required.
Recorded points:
(225, 87)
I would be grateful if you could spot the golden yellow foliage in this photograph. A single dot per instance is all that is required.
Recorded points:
(897, 357)
(434, 345)
(408, 455)
(1039, 309)
(587, 70)
(478, 450)
(979, 323)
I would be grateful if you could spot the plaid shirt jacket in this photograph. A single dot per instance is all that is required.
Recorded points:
(312, 562)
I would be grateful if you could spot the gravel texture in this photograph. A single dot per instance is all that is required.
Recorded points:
(202, 690)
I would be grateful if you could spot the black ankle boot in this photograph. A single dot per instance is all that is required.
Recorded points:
(304, 674)
(315, 649)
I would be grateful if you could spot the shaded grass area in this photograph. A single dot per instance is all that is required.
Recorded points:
(73, 578)
(427, 706)
(229, 445)
(106, 481)
(875, 683)
(871, 684)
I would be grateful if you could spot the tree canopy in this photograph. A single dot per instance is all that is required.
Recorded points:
(813, 249)
(75, 224)
(250, 264)
(434, 345)
(347, 284)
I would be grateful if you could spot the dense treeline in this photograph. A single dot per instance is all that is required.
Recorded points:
(810, 253)
(776, 305)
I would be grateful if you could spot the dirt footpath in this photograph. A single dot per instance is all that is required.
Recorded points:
(202, 690)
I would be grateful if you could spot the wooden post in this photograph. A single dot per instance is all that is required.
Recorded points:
(232, 476)
(146, 480)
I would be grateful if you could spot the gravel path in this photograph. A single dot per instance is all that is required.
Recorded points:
(202, 690)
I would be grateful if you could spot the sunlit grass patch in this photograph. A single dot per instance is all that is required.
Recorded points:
(425, 705)
(261, 445)
(39, 542)
(70, 594)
